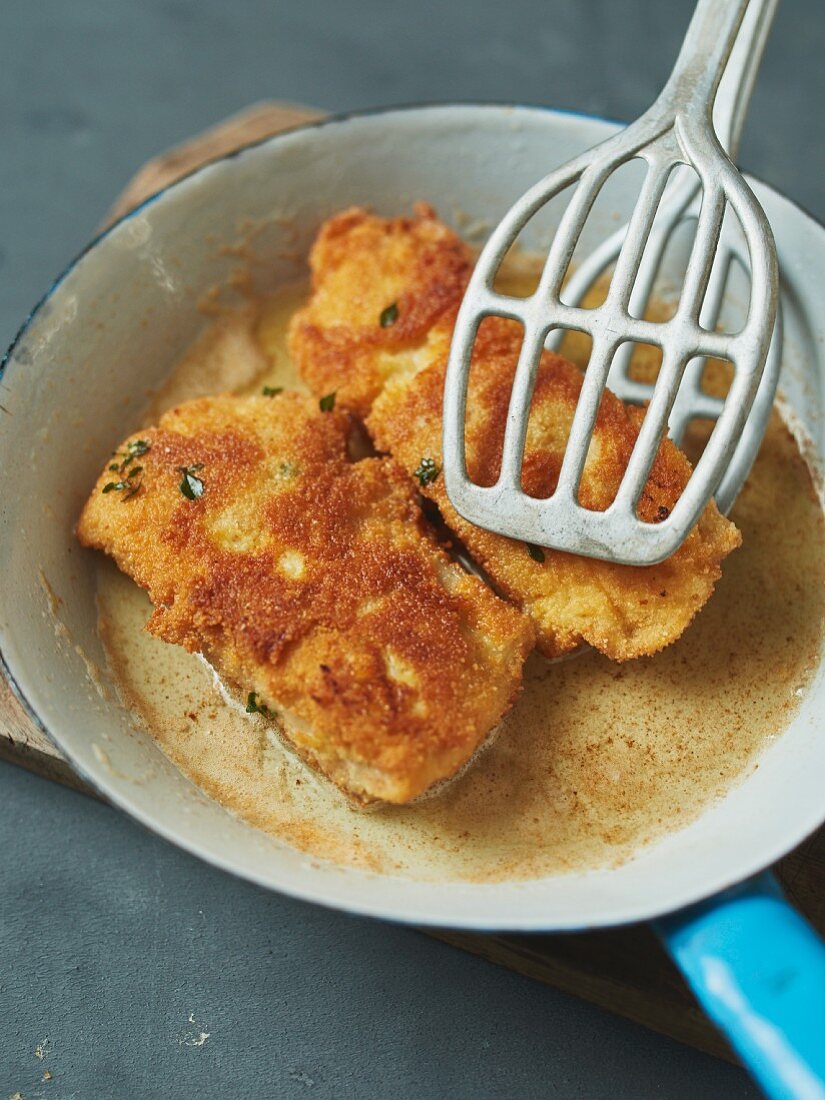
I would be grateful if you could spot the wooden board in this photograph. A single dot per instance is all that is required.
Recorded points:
(623, 970)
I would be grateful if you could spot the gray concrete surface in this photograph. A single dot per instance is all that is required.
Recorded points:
(140, 973)
(133, 970)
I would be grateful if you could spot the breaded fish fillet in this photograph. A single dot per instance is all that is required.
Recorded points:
(311, 582)
(624, 611)
(384, 294)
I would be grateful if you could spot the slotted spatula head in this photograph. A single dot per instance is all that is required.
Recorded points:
(676, 130)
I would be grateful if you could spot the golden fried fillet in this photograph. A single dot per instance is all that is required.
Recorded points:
(382, 299)
(624, 611)
(311, 582)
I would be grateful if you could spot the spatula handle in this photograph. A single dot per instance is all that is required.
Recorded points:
(736, 87)
(692, 85)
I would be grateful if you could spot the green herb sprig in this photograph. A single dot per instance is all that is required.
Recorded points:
(272, 391)
(327, 403)
(130, 479)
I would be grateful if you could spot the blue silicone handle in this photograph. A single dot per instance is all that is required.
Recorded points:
(758, 970)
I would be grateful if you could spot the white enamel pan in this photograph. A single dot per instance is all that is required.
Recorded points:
(111, 328)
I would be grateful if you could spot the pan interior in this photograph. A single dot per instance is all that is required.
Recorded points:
(79, 375)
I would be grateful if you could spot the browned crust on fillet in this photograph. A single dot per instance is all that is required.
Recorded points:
(312, 581)
(624, 611)
(361, 265)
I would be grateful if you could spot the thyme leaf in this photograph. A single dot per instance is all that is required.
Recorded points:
(137, 448)
(388, 316)
(191, 486)
(130, 481)
(427, 471)
(129, 486)
(254, 707)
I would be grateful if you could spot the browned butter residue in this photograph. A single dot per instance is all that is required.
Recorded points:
(596, 759)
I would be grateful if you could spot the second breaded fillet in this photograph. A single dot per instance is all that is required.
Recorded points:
(311, 582)
(383, 296)
(624, 611)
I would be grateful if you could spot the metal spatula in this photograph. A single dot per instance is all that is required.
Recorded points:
(676, 130)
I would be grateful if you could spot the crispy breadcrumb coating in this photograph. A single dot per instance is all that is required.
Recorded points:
(364, 269)
(393, 377)
(312, 582)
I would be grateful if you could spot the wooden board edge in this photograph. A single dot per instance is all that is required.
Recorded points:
(46, 765)
(255, 123)
(684, 1023)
